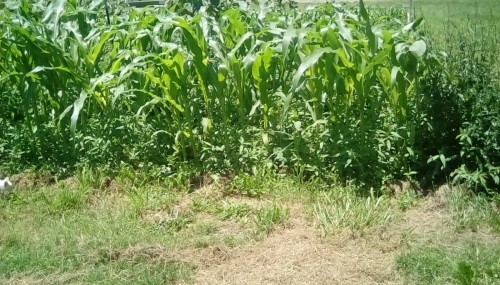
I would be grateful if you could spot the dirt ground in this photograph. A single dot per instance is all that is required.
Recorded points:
(299, 254)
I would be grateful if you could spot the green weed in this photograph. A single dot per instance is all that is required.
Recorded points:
(67, 199)
(268, 218)
(230, 210)
(471, 211)
(342, 208)
(472, 263)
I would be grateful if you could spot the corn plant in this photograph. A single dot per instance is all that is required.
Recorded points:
(317, 90)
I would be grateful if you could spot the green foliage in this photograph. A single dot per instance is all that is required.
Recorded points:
(268, 218)
(342, 208)
(317, 91)
(67, 199)
(231, 210)
(407, 199)
(460, 109)
(472, 263)
(471, 211)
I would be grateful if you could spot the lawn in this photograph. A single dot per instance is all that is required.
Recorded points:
(288, 232)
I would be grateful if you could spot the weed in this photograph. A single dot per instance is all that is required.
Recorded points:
(249, 185)
(407, 199)
(268, 218)
(472, 263)
(143, 199)
(205, 204)
(206, 229)
(470, 211)
(230, 210)
(67, 199)
(342, 208)
(178, 223)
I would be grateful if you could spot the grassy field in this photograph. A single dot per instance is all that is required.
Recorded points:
(288, 232)
(437, 13)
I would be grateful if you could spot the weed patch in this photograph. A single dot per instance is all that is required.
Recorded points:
(472, 263)
(341, 208)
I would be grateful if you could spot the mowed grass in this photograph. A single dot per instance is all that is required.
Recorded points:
(60, 236)
(469, 263)
(74, 234)
(154, 234)
(472, 259)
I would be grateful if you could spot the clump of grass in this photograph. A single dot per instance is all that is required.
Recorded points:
(342, 208)
(205, 204)
(66, 199)
(178, 223)
(268, 218)
(473, 263)
(407, 200)
(142, 199)
(250, 185)
(470, 210)
(232, 210)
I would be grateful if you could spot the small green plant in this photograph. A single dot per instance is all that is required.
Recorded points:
(231, 210)
(249, 185)
(138, 200)
(178, 223)
(407, 237)
(92, 178)
(341, 208)
(407, 199)
(472, 263)
(151, 198)
(464, 274)
(206, 229)
(204, 204)
(471, 211)
(67, 199)
(268, 218)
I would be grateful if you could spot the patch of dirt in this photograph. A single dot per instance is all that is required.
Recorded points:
(297, 254)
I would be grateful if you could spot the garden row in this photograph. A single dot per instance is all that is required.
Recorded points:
(330, 91)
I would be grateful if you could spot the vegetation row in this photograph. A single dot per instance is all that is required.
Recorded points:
(329, 91)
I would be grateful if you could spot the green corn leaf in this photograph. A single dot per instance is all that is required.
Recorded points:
(53, 15)
(363, 12)
(97, 49)
(413, 25)
(77, 107)
(306, 64)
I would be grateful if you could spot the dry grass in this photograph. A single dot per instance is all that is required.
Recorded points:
(216, 250)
